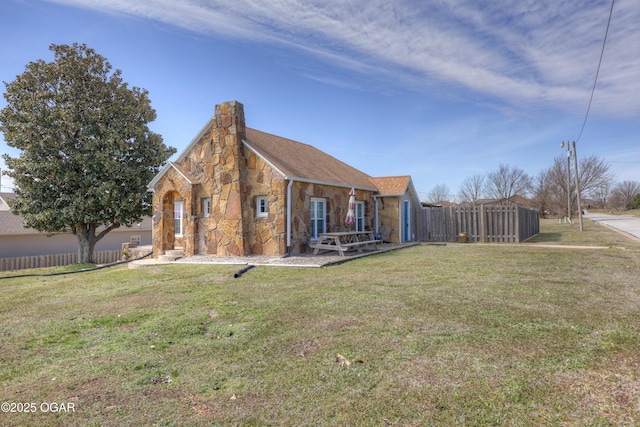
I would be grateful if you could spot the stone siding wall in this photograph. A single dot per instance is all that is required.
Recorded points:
(389, 218)
(266, 235)
(337, 199)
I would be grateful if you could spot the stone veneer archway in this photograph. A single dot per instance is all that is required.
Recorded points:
(171, 187)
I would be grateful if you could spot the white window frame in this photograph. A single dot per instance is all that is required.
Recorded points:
(206, 207)
(262, 206)
(359, 224)
(178, 207)
(318, 224)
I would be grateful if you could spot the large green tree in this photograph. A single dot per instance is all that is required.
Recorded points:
(86, 153)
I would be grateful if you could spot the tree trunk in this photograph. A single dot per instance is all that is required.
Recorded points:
(86, 235)
(87, 239)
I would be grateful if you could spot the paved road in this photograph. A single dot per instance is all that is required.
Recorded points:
(627, 224)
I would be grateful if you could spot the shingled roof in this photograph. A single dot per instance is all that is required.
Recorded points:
(12, 224)
(392, 185)
(300, 161)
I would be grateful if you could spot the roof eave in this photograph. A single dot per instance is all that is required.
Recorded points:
(154, 181)
(183, 174)
(333, 184)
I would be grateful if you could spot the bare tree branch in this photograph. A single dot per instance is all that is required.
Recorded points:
(471, 189)
(507, 182)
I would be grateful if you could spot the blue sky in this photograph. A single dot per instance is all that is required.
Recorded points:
(440, 90)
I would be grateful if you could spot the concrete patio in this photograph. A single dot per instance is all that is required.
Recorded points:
(302, 260)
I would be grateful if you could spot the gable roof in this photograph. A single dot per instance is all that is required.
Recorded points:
(392, 185)
(182, 171)
(299, 162)
(303, 162)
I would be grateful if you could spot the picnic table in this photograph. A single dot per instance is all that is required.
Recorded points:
(343, 241)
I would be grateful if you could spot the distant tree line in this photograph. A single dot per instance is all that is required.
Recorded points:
(551, 191)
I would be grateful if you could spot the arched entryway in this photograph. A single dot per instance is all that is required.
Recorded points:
(174, 224)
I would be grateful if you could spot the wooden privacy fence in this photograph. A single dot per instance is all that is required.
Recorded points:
(41, 261)
(483, 223)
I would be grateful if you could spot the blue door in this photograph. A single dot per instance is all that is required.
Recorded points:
(406, 228)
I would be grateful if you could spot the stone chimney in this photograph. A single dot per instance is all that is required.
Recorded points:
(229, 131)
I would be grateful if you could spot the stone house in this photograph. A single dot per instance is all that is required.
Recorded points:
(239, 191)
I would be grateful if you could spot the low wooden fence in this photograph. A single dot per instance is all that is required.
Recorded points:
(42, 261)
(484, 223)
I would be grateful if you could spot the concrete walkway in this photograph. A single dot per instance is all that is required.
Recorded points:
(629, 225)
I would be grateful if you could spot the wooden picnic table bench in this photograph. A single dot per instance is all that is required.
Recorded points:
(343, 241)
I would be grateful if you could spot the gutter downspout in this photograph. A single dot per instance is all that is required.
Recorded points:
(289, 186)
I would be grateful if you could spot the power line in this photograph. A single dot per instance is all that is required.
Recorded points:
(597, 71)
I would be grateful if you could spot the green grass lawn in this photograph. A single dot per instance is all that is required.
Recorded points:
(463, 334)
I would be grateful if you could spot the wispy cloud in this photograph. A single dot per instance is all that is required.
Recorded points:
(522, 52)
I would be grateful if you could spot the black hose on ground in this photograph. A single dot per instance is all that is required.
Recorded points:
(242, 271)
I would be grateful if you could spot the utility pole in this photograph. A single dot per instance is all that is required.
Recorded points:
(568, 179)
(575, 163)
